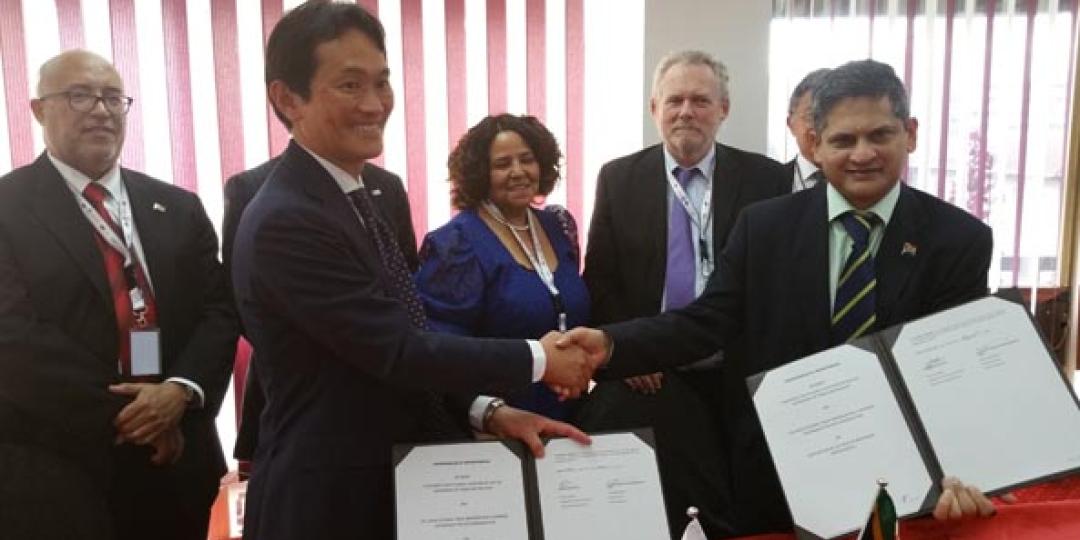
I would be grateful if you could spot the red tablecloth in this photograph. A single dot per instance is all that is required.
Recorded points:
(1049, 511)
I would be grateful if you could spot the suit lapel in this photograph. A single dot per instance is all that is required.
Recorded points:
(56, 209)
(898, 254)
(726, 188)
(316, 182)
(811, 267)
(150, 216)
(649, 202)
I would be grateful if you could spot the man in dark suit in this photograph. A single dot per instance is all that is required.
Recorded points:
(777, 289)
(114, 318)
(328, 303)
(388, 193)
(802, 171)
(632, 269)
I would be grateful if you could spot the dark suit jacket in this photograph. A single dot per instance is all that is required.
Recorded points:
(344, 371)
(789, 170)
(389, 195)
(627, 251)
(58, 331)
(624, 270)
(768, 304)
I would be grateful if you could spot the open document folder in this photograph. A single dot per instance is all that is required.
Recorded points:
(496, 490)
(971, 392)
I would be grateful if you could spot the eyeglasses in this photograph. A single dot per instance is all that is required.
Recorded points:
(84, 102)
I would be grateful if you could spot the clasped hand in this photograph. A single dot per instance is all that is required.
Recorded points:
(572, 358)
(152, 418)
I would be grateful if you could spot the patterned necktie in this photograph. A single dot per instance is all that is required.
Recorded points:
(118, 281)
(401, 285)
(854, 312)
(680, 273)
(436, 422)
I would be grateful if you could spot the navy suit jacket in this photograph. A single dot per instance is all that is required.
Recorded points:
(345, 372)
(390, 198)
(767, 304)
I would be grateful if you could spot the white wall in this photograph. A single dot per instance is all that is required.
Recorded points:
(737, 33)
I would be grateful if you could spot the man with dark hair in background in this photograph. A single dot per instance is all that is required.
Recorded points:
(802, 170)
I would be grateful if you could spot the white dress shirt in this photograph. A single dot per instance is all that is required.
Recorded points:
(696, 189)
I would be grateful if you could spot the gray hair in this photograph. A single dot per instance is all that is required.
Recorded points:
(692, 58)
(861, 78)
(809, 83)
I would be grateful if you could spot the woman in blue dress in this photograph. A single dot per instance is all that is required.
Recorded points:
(503, 267)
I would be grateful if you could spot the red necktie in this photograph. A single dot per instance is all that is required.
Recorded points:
(126, 318)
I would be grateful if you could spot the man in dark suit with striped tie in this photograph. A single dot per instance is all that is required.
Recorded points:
(800, 274)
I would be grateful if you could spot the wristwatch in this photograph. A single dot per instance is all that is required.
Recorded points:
(489, 411)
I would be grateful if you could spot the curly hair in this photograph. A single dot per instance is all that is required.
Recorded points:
(470, 161)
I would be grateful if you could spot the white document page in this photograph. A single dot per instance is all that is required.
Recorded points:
(994, 406)
(607, 490)
(834, 429)
(457, 491)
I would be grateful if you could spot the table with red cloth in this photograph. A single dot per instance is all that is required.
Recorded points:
(1048, 511)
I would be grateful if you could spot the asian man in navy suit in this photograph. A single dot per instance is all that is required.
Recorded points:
(771, 300)
(327, 302)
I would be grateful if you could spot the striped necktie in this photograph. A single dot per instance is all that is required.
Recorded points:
(854, 311)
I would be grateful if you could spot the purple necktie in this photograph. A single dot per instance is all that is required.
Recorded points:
(679, 274)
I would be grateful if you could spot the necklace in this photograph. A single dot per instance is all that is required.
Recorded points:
(494, 212)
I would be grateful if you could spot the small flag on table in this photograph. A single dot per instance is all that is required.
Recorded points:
(693, 529)
(881, 525)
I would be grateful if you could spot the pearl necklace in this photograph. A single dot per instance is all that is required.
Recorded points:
(494, 212)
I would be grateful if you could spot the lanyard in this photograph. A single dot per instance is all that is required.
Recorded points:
(701, 220)
(123, 246)
(536, 258)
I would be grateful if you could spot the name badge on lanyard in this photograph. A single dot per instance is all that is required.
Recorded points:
(701, 220)
(538, 261)
(145, 352)
(144, 341)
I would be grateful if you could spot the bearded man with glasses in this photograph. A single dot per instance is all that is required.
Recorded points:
(116, 330)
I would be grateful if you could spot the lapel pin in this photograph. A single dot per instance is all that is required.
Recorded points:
(376, 192)
(158, 207)
(909, 250)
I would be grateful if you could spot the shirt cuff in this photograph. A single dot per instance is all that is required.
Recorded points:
(476, 411)
(199, 399)
(539, 365)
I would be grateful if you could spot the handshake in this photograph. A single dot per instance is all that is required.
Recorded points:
(572, 358)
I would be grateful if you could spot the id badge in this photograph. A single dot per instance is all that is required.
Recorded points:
(146, 353)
